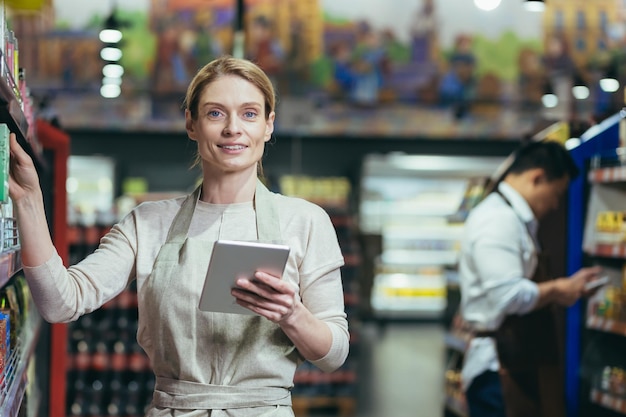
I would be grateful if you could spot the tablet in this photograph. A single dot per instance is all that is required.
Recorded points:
(231, 260)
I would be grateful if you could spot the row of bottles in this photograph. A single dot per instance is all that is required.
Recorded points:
(310, 381)
(109, 373)
(112, 393)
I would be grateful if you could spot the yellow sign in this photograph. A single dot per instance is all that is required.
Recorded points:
(558, 132)
(25, 5)
(415, 292)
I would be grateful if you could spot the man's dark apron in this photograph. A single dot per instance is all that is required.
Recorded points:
(529, 351)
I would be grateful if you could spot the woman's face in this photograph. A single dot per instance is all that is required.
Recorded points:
(231, 129)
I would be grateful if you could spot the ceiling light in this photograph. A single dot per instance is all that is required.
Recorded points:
(110, 35)
(534, 5)
(609, 82)
(580, 89)
(110, 91)
(113, 70)
(487, 5)
(609, 85)
(111, 54)
(549, 99)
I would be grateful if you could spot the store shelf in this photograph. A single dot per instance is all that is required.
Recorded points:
(606, 325)
(345, 406)
(11, 113)
(608, 401)
(14, 379)
(10, 263)
(608, 250)
(607, 175)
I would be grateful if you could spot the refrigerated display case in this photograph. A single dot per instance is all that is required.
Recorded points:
(417, 204)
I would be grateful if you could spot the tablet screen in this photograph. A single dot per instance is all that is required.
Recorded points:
(232, 260)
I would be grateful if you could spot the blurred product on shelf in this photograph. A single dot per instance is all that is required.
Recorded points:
(329, 192)
(19, 331)
(610, 227)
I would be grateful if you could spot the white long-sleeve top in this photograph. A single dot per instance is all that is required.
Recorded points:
(497, 261)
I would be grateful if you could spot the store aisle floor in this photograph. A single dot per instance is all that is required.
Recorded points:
(402, 370)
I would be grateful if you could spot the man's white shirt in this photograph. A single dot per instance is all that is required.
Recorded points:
(497, 261)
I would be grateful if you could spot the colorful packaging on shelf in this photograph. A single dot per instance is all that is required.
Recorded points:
(8, 304)
(4, 163)
(5, 339)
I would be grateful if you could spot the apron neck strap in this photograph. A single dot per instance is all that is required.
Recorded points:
(267, 224)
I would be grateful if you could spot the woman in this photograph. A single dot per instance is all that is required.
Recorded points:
(206, 364)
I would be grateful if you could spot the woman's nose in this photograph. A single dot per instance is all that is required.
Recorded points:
(232, 126)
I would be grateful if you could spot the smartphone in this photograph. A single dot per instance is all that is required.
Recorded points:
(592, 285)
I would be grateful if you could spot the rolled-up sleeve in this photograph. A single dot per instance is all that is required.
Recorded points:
(64, 294)
(499, 264)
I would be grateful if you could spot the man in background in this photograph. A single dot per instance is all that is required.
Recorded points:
(512, 365)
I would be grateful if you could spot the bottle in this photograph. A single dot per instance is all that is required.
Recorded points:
(116, 404)
(77, 406)
(133, 406)
(606, 379)
(96, 402)
(120, 351)
(77, 382)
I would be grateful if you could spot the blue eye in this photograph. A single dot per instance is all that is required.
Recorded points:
(214, 113)
(250, 114)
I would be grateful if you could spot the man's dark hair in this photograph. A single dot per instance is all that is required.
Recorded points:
(551, 156)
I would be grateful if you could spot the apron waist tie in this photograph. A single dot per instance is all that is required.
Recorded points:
(185, 395)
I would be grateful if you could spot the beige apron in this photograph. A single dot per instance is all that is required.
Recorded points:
(223, 351)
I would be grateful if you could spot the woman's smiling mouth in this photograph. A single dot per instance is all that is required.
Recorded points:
(232, 147)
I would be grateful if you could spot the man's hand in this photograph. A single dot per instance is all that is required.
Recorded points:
(569, 290)
(566, 291)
